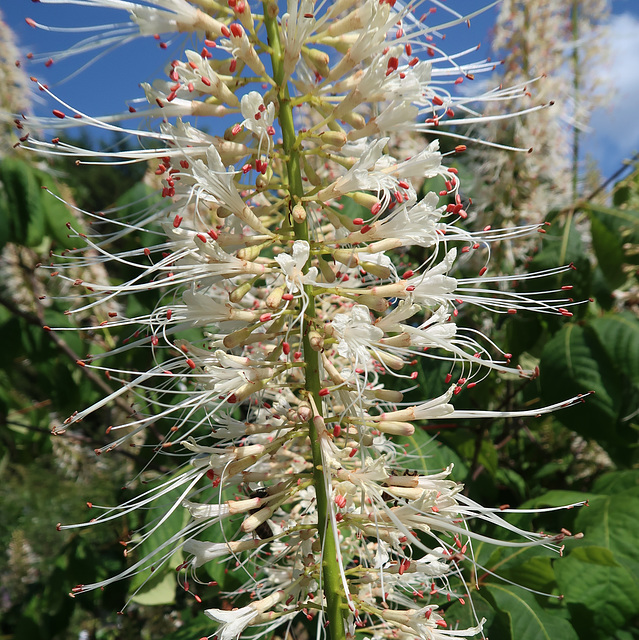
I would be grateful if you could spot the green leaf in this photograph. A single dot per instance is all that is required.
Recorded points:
(575, 362)
(623, 222)
(619, 335)
(608, 248)
(604, 590)
(527, 619)
(152, 587)
(618, 482)
(611, 522)
(22, 192)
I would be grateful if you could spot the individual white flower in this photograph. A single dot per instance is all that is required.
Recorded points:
(232, 622)
(292, 266)
(258, 119)
(357, 334)
(434, 286)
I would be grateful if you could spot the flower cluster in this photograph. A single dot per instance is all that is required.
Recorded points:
(282, 315)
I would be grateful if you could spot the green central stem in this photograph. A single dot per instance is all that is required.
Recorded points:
(331, 582)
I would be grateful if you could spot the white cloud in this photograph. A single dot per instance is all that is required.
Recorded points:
(615, 128)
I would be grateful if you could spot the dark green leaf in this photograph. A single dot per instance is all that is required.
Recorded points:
(527, 619)
(608, 249)
(591, 577)
(575, 362)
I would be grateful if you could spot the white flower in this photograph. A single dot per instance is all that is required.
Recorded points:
(258, 118)
(292, 266)
(357, 334)
(434, 287)
(233, 622)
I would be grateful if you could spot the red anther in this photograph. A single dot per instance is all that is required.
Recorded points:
(81, 363)
(483, 270)
(297, 355)
(177, 221)
(456, 391)
(132, 110)
(340, 501)
(408, 274)
(512, 311)
(438, 101)
(169, 313)
(202, 237)
(184, 164)
(459, 80)
(265, 317)
(567, 287)
(352, 452)
(232, 399)
(286, 348)
(323, 392)
(376, 208)
(403, 184)
(448, 378)
(450, 113)
(225, 32)
(58, 114)
(413, 62)
(270, 130)
(430, 51)
(565, 312)
(460, 147)
(233, 66)
(337, 430)
(241, 7)
(414, 375)
(31, 22)
(193, 65)
(210, 43)
(206, 81)
(213, 234)
(205, 53)
(358, 221)
(236, 129)
(366, 228)
(410, 288)
(160, 170)
(154, 341)
(49, 62)
(246, 168)
(288, 297)
(409, 49)
(443, 192)
(237, 30)
(470, 385)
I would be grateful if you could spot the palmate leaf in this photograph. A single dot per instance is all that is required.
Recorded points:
(574, 362)
(527, 620)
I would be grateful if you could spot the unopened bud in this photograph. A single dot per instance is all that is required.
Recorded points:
(326, 270)
(249, 253)
(316, 340)
(299, 213)
(368, 200)
(317, 60)
(335, 139)
(396, 428)
(239, 292)
(274, 298)
(237, 338)
(377, 270)
(304, 412)
(389, 395)
(356, 120)
(346, 256)
(374, 302)
(256, 519)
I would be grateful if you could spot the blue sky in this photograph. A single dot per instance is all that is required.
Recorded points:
(113, 79)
